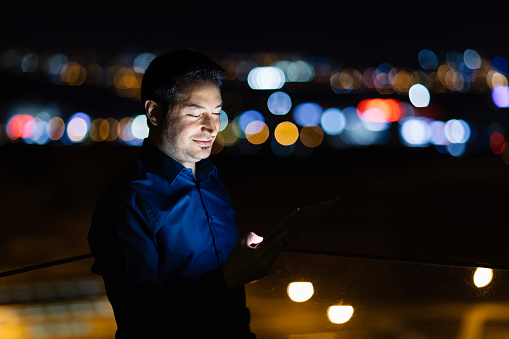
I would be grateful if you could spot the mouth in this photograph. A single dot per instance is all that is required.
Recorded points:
(204, 143)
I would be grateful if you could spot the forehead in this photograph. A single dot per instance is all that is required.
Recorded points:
(197, 91)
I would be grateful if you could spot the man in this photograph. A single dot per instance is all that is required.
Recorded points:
(163, 233)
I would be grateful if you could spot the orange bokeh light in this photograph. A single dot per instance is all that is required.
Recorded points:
(390, 108)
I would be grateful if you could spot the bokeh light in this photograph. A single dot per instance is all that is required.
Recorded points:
(300, 291)
(457, 131)
(78, 126)
(257, 132)
(419, 95)
(231, 134)
(333, 121)
(472, 59)
(311, 136)
(286, 133)
(264, 78)
(415, 132)
(428, 59)
(307, 114)
(55, 128)
(139, 127)
(379, 110)
(247, 117)
(18, 126)
(279, 103)
(223, 120)
(497, 143)
(500, 96)
(500, 64)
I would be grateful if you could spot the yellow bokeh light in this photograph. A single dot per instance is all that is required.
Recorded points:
(483, 276)
(73, 74)
(125, 129)
(218, 144)
(300, 291)
(311, 136)
(286, 133)
(339, 314)
(114, 129)
(94, 132)
(55, 128)
(257, 132)
(231, 133)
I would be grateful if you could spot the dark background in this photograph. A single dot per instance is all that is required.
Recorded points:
(397, 202)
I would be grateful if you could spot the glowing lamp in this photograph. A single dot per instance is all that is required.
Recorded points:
(483, 276)
(339, 314)
(300, 291)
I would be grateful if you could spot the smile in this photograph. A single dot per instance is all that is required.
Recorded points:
(204, 142)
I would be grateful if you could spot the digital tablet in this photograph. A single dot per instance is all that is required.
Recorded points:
(301, 218)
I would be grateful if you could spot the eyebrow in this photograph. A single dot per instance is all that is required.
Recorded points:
(196, 106)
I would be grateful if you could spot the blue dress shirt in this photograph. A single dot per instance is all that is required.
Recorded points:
(159, 236)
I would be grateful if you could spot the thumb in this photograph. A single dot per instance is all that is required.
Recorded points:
(251, 239)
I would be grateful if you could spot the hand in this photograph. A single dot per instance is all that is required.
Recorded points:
(250, 261)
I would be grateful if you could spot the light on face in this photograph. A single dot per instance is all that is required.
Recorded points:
(483, 276)
(300, 291)
(339, 314)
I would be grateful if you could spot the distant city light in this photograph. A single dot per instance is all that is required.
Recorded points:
(415, 132)
(500, 64)
(333, 121)
(457, 131)
(279, 103)
(419, 95)
(77, 127)
(307, 114)
(311, 136)
(300, 291)
(142, 61)
(257, 132)
(223, 118)
(286, 133)
(497, 143)
(249, 116)
(472, 59)
(500, 96)
(437, 133)
(139, 127)
(428, 59)
(265, 78)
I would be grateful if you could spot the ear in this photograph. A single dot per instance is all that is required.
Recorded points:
(153, 112)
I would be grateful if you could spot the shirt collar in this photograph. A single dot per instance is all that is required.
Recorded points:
(169, 169)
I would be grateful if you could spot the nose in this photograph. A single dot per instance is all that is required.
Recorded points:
(209, 124)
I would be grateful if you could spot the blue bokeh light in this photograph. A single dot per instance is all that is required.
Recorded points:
(279, 103)
(333, 121)
(307, 114)
(428, 59)
(249, 116)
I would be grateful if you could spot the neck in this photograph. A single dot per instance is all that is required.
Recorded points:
(156, 140)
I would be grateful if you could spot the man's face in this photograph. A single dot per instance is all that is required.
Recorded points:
(192, 125)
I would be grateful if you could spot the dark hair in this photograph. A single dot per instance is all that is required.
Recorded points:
(169, 73)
